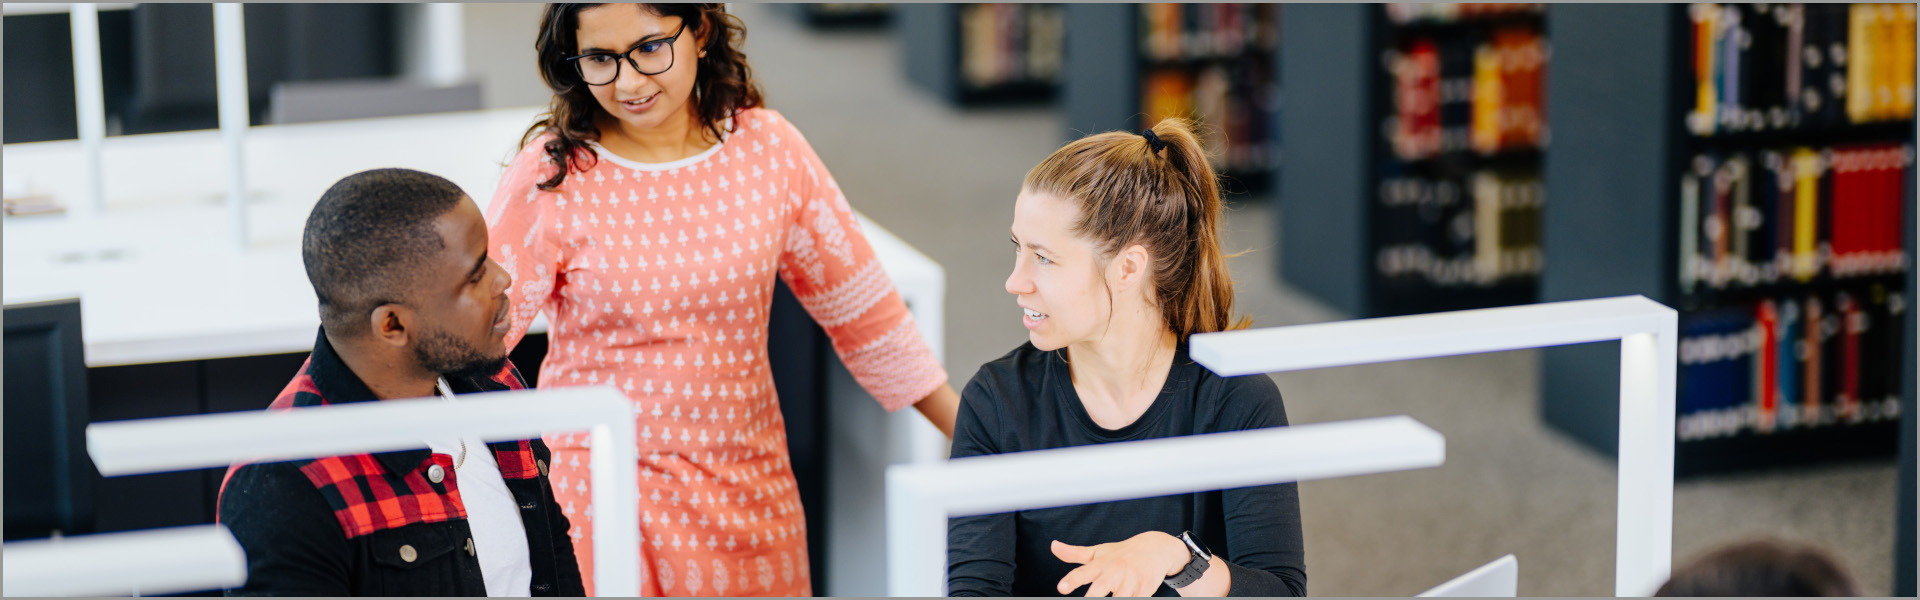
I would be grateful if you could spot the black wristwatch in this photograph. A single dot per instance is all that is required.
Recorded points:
(1198, 560)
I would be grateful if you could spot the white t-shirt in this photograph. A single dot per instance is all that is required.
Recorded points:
(499, 538)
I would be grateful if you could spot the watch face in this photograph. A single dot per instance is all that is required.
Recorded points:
(1194, 546)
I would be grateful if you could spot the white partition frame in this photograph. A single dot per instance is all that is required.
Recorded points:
(154, 561)
(90, 103)
(1497, 579)
(217, 440)
(1647, 330)
(921, 497)
(230, 80)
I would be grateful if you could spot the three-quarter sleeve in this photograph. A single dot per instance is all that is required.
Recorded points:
(523, 237)
(832, 270)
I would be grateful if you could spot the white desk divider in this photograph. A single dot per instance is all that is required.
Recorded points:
(920, 497)
(217, 440)
(90, 101)
(230, 78)
(1497, 579)
(1648, 334)
(155, 561)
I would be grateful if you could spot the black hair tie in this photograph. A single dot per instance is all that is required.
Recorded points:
(1153, 140)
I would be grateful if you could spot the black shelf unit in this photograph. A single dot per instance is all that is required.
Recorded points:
(1325, 183)
(1425, 227)
(1231, 89)
(1613, 85)
(984, 54)
(1115, 77)
(1874, 437)
(1623, 149)
(1723, 455)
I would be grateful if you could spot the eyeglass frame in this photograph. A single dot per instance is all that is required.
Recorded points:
(627, 57)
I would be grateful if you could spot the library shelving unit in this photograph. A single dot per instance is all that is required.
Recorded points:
(1621, 85)
(974, 54)
(1790, 266)
(1751, 166)
(1132, 65)
(1457, 195)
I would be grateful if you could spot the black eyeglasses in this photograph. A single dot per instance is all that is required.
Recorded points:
(648, 58)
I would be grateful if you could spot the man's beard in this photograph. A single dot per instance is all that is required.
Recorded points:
(453, 358)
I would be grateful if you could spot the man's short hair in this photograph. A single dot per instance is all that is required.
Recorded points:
(368, 241)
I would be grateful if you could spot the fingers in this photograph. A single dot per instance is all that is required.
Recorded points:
(1102, 586)
(1076, 578)
(1079, 555)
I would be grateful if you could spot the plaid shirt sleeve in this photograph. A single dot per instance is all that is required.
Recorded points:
(293, 543)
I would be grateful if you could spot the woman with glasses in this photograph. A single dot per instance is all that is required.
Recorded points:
(647, 214)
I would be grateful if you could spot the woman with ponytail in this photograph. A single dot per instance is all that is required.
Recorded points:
(1117, 261)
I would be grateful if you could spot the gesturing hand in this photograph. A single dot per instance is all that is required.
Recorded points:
(1134, 567)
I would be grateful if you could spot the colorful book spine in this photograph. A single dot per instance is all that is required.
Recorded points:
(1768, 321)
(1689, 251)
(1781, 178)
(1807, 171)
(1786, 363)
(1812, 365)
(1863, 31)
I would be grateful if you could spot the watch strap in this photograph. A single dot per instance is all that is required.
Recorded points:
(1198, 559)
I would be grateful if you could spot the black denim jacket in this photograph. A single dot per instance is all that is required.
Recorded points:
(380, 524)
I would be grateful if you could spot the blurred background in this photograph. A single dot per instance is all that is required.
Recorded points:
(1749, 165)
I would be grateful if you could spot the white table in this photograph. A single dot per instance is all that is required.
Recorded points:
(159, 281)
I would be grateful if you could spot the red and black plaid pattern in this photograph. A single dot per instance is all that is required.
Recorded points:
(519, 463)
(510, 377)
(302, 391)
(366, 498)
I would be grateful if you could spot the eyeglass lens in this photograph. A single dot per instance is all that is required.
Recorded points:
(651, 58)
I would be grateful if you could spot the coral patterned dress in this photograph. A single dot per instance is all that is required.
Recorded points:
(657, 279)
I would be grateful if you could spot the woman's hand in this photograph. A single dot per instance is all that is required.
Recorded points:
(1135, 567)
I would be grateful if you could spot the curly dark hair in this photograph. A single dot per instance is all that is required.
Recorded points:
(723, 87)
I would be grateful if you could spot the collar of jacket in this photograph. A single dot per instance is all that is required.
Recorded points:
(339, 385)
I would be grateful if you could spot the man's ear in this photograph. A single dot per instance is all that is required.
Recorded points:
(391, 325)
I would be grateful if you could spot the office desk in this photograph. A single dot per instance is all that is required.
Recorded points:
(169, 304)
(158, 275)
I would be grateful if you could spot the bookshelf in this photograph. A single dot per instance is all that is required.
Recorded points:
(1776, 212)
(977, 54)
(1619, 85)
(1132, 65)
(1791, 268)
(1456, 187)
(1215, 63)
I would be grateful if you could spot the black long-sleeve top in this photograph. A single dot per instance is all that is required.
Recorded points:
(1026, 401)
